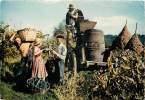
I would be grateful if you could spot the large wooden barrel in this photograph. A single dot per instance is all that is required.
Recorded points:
(94, 45)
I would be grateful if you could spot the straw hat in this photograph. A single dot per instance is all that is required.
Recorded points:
(38, 41)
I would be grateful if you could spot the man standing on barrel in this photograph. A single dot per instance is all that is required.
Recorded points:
(73, 18)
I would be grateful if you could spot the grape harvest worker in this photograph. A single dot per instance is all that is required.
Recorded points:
(73, 17)
(38, 66)
(61, 55)
(23, 47)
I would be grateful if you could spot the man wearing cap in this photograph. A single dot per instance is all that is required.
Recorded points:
(73, 17)
(61, 54)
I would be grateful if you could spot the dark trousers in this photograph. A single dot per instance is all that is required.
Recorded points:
(24, 61)
(24, 66)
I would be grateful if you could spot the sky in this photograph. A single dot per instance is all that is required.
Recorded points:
(44, 15)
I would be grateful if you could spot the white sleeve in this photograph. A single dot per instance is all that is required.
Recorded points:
(62, 53)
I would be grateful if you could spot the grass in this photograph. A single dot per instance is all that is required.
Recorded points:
(7, 93)
(65, 92)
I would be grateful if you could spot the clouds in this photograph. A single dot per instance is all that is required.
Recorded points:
(58, 1)
(47, 14)
(114, 24)
(53, 1)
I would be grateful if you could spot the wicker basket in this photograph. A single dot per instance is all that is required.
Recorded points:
(86, 25)
(27, 35)
(24, 48)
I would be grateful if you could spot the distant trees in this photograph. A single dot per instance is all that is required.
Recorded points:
(60, 29)
(109, 39)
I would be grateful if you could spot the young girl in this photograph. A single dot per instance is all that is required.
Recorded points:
(38, 67)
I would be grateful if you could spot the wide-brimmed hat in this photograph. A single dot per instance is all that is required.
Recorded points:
(37, 41)
(71, 6)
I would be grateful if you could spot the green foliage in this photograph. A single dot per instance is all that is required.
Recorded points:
(123, 79)
(60, 29)
(109, 39)
(39, 34)
(8, 51)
